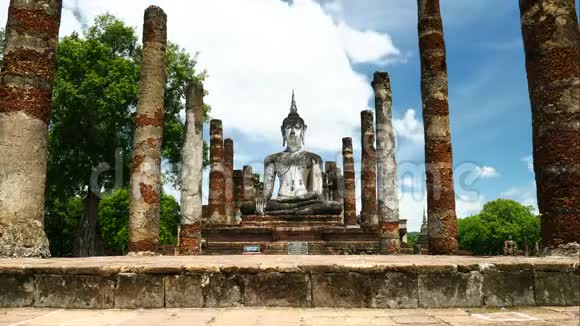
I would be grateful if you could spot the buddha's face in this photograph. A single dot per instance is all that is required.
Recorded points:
(294, 134)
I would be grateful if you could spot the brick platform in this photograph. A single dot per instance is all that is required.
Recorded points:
(289, 281)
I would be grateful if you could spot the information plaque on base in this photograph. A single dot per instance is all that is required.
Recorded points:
(252, 250)
(298, 248)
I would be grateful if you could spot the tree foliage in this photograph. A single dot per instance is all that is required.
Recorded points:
(114, 219)
(94, 100)
(2, 40)
(485, 233)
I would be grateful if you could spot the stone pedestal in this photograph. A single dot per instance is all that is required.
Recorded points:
(368, 170)
(190, 239)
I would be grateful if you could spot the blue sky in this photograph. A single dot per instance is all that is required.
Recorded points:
(257, 51)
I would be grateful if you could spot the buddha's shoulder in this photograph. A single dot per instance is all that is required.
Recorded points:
(312, 156)
(273, 158)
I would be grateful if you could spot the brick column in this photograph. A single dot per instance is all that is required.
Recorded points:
(229, 182)
(552, 47)
(349, 182)
(438, 153)
(191, 173)
(368, 170)
(26, 82)
(238, 178)
(216, 200)
(247, 204)
(331, 177)
(387, 200)
(145, 189)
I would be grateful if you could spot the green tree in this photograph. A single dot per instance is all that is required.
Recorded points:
(114, 219)
(485, 233)
(2, 40)
(61, 222)
(412, 238)
(94, 101)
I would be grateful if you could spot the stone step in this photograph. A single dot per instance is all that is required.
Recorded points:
(381, 282)
(281, 247)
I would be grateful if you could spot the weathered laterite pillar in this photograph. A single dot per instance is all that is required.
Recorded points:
(349, 182)
(247, 203)
(368, 170)
(238, 178)
(26, 82)
(331, 177)
(146, 165)
(191, 173)
(438, 153)
(216, 200)
(387, 200)
(552, 47)
(229, 182)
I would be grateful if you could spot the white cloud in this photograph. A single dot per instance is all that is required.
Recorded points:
(409, 182)
(367, 46)
(256, 52)
(529, 160)
(525, 195)
(409, 127)
(486, 172)
(411, 205)
(468, 205)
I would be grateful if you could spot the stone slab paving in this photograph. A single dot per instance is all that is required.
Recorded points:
(290, 317)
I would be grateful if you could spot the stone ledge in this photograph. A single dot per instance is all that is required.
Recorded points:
(289, 281)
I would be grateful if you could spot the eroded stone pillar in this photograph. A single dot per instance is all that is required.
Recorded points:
(349, 182)
(368, 170)
(331, 177)
(229, 182)
(238, 178)
(552, 47)
(216, 198)
(387, 200)
(438, 153)
(248, 204)
(26, 82)
(191, 173)
(145, 189)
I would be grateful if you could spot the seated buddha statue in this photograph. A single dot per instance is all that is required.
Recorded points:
(299, 173)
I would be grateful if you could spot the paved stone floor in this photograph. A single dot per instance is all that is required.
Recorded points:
(288, 316)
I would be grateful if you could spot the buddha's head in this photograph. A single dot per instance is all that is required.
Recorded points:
(293, 128)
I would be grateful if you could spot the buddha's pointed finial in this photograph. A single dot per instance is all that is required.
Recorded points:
(424, 216)
(293, 108)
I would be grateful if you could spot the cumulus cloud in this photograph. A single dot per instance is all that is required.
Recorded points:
(409, 128)
(525, 195)
(485, 172)
(256, 52)
(367, 46)
(468, 205)
(529, 160)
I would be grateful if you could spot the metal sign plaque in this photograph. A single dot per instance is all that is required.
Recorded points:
(298, 248)
(252, 250)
